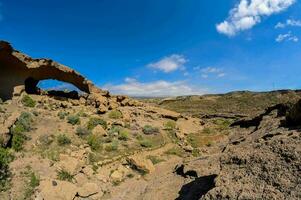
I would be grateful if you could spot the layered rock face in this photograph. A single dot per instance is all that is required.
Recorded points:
(18, 69)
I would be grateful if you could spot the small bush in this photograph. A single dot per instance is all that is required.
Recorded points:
(62, 115)
(113, 146)
(123, 135)
(149, 130)
(93, 122)
(73, 119)
(82, 131)
(28, 101)
(18, 141)
(95, 142)
(5, 159)
(115, 114)
(145, 143)
(63, 139)
(114, 129)
(23, 124)
(64, 175)
(170, 125)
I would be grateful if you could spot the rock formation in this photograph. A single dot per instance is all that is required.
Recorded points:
(19, 69)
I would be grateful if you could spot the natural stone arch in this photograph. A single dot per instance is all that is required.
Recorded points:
(19, 69)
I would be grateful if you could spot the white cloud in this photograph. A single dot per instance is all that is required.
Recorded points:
(170, 63)
(211, 72)
(248, 13)
(287, 37)
(289, 22)
(159, 88)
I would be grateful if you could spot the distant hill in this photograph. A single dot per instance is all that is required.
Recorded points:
(244, 103)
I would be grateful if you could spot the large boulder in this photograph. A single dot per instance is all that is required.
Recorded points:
(141, 164)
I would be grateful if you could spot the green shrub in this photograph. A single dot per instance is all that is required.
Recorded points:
(115, 114)
(63, 139)
(113, 146)
(95, 142)
(123, 134)
(82, 131)
(62, 114)
(114, 129)
(28, 101)
(170, 125)
(64, 175)
(146, 143)
(73, 119)
(5, 159)
(18, 141)
(93, 122)
(149, 130)
(23, 123)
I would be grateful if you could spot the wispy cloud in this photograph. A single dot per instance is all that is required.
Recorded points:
(210, 72)
(248, 13)
(289, 22)
(160, 88)
(287, 37)
(170, 63)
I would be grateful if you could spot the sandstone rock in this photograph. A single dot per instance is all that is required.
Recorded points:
(18, 90)
(187, 126)
(70, 164)
(117, 176)
(99, 130)
(57, 190)
(180, 135)
(19, 69)
(141, 164)
(88, 171)
(188, 148)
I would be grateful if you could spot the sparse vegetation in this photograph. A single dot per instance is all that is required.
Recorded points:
(63, 139)
(155, 159)
(28, 101)
(73, 119)
(175, 151)
(146, 143)
(95, 142)
(149, 130)
(5, 158)
(46, 139)
(115, 114)
(22, 125)
(93, 122)
(113, 146)
(123, 134)
(170, 125)
(34, 181)
(62, 115)
(82, 131)
(64, 175)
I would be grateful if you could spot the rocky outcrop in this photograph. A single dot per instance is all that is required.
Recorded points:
(261, 161)
(19, 69)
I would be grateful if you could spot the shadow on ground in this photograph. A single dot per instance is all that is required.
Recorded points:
(197, 188)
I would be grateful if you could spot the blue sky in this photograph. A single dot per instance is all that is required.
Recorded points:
(163, 48)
